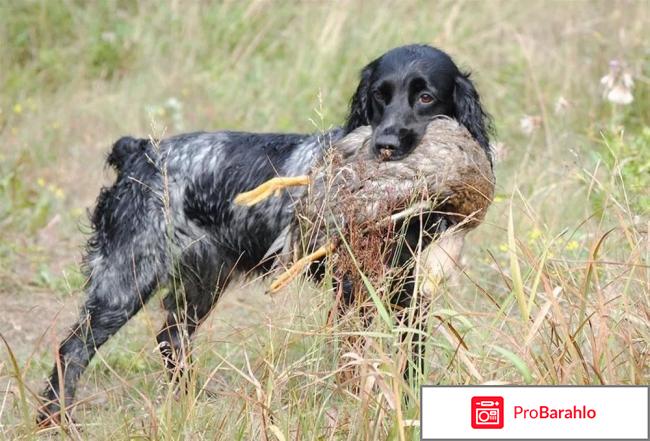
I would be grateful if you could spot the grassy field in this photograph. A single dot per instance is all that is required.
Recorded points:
(556, 283)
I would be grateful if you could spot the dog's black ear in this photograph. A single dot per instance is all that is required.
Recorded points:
(469, 112)
(359, 114)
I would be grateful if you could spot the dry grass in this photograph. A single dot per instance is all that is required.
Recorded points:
(556, 284)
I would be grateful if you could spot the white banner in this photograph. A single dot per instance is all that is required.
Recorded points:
(534, 412)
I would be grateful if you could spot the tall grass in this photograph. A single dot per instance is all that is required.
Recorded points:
(556, 282)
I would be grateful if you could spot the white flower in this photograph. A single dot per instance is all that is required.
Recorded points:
(529, 124)
(174, 103)
(617, 84)
(561, 105)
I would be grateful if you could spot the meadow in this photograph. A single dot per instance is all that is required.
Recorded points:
(555, 286)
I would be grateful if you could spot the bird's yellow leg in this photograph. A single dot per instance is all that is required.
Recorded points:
(270, 187)
(286, 277)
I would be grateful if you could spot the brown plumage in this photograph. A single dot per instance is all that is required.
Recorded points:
(357, 196)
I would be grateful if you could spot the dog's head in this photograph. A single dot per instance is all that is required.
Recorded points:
(404, 89)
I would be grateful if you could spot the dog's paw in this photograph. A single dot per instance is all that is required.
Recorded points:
(50, 415)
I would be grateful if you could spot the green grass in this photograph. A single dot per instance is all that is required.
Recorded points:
(558, 297)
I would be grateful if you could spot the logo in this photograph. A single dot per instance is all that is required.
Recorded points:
(487, 412)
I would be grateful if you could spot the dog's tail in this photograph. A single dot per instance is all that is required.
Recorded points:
(124, 150)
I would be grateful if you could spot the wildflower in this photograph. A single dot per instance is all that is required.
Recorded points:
(56, 191)
(498, 199)
(534, 234)
(617, 84)
(503, 247)
(174, 103)
(18, 108)
(529, 124)
(561, 105)
(572, 245)
(40, 182)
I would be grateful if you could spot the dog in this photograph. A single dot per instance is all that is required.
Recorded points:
(169, 218)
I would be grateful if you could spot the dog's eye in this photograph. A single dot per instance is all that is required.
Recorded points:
(425, 98)
(378, 95)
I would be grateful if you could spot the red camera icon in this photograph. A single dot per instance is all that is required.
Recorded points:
(487, 412)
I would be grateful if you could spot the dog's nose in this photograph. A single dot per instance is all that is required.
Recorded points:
(386, 145)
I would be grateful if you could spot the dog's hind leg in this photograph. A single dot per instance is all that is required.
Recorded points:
(119, 284)
(202, 277)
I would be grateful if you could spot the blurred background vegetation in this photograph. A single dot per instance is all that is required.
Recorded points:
(566, 83)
